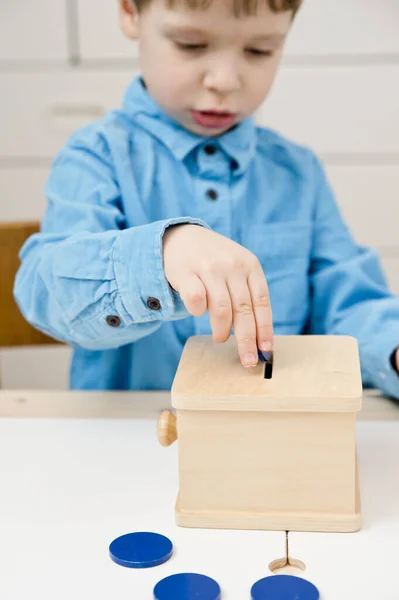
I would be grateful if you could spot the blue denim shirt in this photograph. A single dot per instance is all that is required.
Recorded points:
(115, 187)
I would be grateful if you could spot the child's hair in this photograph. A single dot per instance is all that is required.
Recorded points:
(246, 7)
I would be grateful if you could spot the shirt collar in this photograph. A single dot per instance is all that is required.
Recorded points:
(239, 143)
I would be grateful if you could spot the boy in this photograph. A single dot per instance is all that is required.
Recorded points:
(176, 216)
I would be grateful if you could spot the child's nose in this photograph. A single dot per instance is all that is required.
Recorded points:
(223, 79)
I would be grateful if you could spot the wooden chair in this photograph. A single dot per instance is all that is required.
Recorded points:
(14, 329)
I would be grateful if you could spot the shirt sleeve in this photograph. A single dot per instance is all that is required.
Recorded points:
(86, 279)
(349, 292)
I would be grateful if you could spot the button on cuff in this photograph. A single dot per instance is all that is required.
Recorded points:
(145, 275)
(154, 303)
(113, 321)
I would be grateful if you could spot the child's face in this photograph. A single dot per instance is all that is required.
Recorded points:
(207, 60)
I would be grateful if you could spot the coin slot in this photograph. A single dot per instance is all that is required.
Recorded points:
(268, 369)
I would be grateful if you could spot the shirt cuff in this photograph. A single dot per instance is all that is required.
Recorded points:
(144, 291)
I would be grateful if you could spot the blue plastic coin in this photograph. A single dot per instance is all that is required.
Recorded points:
(187, 586)
(284, 587)
(264, 356)
(141, 549)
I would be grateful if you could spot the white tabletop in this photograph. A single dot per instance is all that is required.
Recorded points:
(69, 486)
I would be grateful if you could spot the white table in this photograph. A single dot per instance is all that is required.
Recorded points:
(79, 469)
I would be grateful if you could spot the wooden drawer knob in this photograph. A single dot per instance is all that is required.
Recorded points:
(167, 428)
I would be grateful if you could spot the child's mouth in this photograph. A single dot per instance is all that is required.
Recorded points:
(213, 119)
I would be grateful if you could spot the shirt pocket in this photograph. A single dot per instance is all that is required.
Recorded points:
(284, 251)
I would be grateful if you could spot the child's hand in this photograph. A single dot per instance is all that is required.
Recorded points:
(211, 272)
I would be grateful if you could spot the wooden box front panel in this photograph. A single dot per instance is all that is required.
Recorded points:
(267, 461)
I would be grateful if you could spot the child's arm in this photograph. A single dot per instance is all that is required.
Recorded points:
(349, 292)
(85, 279)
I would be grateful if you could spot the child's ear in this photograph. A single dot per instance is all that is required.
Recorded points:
(128, 18)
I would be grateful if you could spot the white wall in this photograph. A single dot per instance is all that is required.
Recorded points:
(64, 63)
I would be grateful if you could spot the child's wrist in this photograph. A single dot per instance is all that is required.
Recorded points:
(395, 359)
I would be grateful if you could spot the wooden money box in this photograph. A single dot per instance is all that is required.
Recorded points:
(257, 453)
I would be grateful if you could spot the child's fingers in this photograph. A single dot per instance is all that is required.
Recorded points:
(193, 294)
(262, 308)
(219, 306)
(243, 318)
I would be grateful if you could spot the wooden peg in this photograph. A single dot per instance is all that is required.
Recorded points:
(167, 428)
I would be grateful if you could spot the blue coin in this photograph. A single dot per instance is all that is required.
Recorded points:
(187, 586)
(264, 356)
(284, 587)
(141, 549)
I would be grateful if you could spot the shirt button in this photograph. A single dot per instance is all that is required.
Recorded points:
(113, 321)
(212, 194)
(210, 149)
(154, 304)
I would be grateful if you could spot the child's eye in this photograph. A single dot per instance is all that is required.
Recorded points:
(257, 52)
(188, 47)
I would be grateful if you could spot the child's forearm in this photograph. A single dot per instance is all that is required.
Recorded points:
(97, 290)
